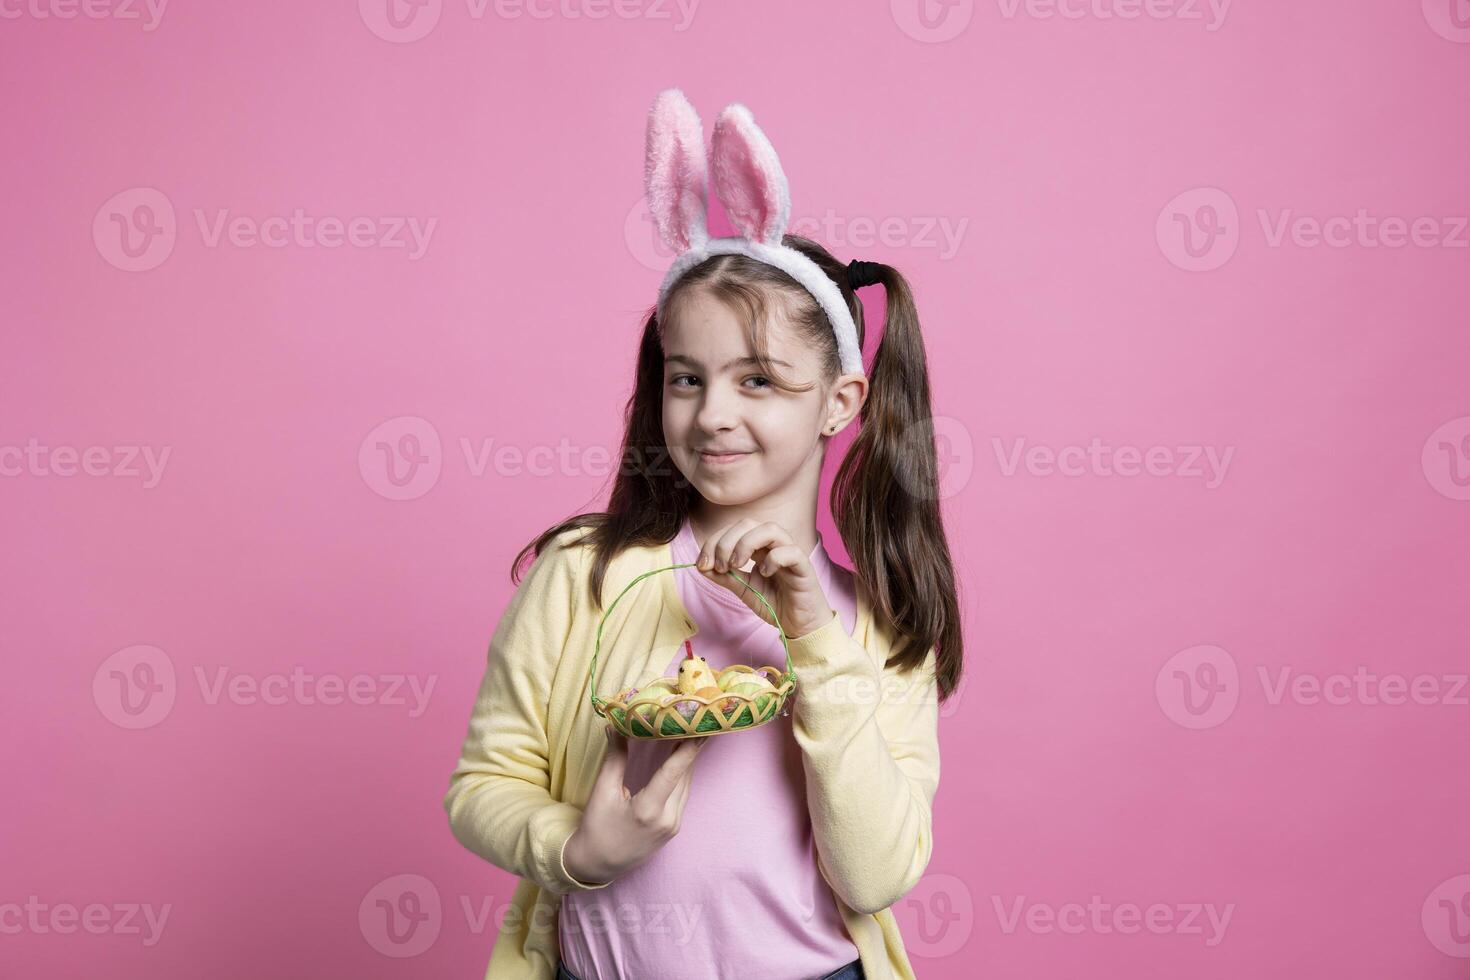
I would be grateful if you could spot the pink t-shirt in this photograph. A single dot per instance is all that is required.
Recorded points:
(737, 892)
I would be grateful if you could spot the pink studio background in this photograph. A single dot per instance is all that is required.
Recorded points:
(1123, 731)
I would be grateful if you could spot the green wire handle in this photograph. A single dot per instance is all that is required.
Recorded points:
(790, 668)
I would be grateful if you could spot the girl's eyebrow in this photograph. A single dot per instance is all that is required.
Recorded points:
(727, 365)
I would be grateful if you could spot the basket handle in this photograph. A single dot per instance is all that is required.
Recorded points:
(597, 650)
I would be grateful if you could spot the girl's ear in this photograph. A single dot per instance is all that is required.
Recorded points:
(676, 171)
(748, 177)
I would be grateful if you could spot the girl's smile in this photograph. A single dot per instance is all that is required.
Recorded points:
(722, 459)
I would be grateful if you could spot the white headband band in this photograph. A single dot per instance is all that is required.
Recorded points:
(752, 187)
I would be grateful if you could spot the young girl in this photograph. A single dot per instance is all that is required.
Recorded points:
(784, 861)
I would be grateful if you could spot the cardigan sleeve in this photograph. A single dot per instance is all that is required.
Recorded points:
(499, 803)
(869, 737)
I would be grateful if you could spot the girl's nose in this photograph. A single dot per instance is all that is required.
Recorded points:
(716, 413)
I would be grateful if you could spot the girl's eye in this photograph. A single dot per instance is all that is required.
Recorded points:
(674, 381)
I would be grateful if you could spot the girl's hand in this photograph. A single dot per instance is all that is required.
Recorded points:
(620, 831)
(783, 574)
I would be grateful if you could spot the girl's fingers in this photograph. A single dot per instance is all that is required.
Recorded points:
(666, 777)
(680, 796)
(614, 762)
(771, 562)
(743, 586)
(758, 538)
(782, 556)
(723, 542)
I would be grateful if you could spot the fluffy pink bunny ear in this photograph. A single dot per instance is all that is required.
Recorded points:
(676, 171)
(748, 177)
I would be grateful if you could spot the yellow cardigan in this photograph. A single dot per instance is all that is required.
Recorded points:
(868, 737)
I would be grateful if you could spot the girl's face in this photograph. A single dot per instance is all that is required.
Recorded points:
(732, 433)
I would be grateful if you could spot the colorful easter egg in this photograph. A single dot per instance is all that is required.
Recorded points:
(743, 678)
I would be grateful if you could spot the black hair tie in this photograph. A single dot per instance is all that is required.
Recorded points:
(860, 273)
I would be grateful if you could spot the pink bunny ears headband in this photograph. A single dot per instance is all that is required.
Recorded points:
(752, 187)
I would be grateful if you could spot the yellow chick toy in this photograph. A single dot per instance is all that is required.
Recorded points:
(695, 676)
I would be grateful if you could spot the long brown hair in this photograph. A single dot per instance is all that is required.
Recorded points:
(885, 497)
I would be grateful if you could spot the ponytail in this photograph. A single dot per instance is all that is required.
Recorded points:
(885, 497)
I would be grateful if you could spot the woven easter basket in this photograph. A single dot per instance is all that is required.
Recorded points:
(658, 715)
